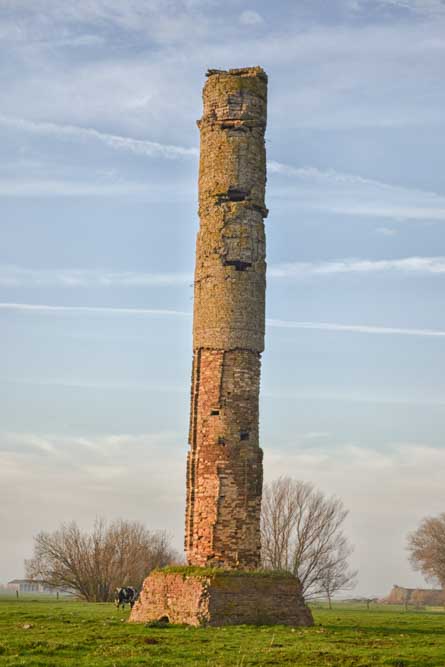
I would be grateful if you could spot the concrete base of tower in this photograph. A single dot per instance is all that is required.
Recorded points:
(212, 597)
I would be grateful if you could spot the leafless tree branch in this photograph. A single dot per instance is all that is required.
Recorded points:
(94, 564)
(301, 533)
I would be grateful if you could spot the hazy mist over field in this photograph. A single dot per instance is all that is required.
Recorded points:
(98, 219)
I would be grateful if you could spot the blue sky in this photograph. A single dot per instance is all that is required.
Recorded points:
(98, 199)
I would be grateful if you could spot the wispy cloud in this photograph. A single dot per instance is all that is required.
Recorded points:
(405, 265)
(315, 177)
(386, 231)
(69, 188)
(274, 323)
(351, 194)
(332, 176)
(363, 397)
(59, 444)
(393, 210)
(116, 142)
(355, 328)
(343, 193)
(316, 435)
(430, 8)
(106, 385)
(250, 17)
(98, 310)
(15, 276)
(324, 175)
(153, 18)
(61, 463)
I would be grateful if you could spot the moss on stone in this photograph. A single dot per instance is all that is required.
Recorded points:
(194, 571)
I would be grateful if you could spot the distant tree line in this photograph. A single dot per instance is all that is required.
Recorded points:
(301, 531)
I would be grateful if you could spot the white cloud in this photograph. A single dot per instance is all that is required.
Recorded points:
(136, 146)
(14, 276)
(339, 75)
(430, 8)
(405, 265)
(353, 5)
(351, 194)
(316, 435)
(331, 176)
(250, 17)
(342, 192)
(154, 18)
(103, 445)
(355, 328)
(327, 175)
(275, 323)
(64, 477)
(106, 385)
(387, 210)
(386, 231)
(99, 310)
(321, 395)
(67, 188)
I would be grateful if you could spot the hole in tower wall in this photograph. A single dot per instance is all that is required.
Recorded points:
(232, 194)
(244, 435)
(238, 264)
(214, 413)
(235, 194)
(221, 441)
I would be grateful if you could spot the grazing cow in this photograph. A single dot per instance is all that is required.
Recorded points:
(125, 595)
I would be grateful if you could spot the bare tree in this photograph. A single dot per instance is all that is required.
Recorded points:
(426, 547)
(94, 564)
(301, 533)
(335, 574)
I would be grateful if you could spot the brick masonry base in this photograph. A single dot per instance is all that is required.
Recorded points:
(221, 598)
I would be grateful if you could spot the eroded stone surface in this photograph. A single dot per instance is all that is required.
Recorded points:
(222, 599)
(224, 478)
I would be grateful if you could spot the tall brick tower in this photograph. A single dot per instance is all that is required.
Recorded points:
(224, 475)
(224, 466)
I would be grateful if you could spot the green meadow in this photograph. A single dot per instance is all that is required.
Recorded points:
(51, 633)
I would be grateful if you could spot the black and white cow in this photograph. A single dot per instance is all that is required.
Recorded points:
(125, 595)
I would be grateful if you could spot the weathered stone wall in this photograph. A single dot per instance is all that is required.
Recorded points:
(224, 478)
(221, 599)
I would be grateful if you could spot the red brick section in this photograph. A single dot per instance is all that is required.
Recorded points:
(224, 474)
(222, 599)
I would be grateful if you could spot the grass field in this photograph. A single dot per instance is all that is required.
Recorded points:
(73, 633)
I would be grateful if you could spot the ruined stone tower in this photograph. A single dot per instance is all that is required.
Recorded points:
(224, 474)
(224, 466)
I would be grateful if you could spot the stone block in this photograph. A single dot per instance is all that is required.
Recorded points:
(212, 597)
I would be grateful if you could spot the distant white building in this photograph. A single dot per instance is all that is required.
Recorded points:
(29, 586)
